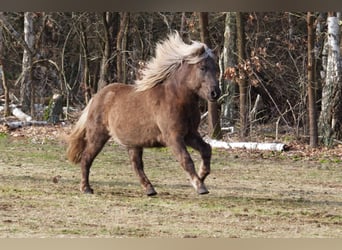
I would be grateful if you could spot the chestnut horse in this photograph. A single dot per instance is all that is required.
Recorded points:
(161, 109)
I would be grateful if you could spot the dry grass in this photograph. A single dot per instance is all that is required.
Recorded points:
(251, 195)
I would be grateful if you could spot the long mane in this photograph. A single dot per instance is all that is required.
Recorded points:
(170, 54)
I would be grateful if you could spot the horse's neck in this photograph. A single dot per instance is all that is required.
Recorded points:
(178, 90)
(178, 83)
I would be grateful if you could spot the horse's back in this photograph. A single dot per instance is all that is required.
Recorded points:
(113, 90)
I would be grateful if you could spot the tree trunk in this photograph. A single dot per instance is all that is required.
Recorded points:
(182, 26)
(105, 54)
(137, 53)
(320, 58)
(312, 82)
(3, 82)
(124, 54)
(244, 129)
(213, 107)
(330, 119)
(229, 61)
(120, 46)
(55, 109)
(26, 87)
(290, 20)
(85, 70)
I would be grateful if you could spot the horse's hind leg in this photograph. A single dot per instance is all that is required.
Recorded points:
(135, 156)
(95, 143)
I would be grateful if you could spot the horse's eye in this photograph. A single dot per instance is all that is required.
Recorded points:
(203, 68)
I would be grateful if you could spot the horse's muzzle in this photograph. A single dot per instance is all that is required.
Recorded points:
(214, 94)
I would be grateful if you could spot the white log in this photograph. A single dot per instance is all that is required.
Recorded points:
(247, 145)
(229, 129)
(15, 125)
(21, 115)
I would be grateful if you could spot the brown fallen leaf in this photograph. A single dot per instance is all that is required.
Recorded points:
(56, 179)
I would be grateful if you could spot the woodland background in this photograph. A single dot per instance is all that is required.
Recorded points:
(281, 69)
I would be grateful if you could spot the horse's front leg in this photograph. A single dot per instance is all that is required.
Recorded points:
(135, 155)
(196, 142)
(179, 150)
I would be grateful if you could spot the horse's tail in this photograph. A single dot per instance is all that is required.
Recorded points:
(76, 139)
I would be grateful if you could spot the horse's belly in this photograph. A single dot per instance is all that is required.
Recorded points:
(138, 136)
(131, 118)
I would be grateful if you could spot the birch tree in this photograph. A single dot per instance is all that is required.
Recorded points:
(13, 32)
(26, 86)
(331, 115)
(229, 61)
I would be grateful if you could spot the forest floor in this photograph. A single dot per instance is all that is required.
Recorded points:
(291, 194)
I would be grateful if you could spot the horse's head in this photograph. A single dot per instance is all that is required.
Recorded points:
(193, 64)
(203, 76)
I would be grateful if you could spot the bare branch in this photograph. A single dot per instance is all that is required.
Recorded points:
(8, 26)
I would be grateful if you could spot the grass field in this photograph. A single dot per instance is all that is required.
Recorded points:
(252, 194)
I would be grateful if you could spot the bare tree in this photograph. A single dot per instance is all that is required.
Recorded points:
(106, 52)
(121, 47)
(182, 26)
(3, 81)
(85, 74)
(244, 128)
(312, 82)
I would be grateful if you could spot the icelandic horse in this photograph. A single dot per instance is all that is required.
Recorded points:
(161, 109)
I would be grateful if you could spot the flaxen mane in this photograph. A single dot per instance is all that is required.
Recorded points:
(170, 54)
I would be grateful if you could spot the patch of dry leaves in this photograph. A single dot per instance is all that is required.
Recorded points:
(39, 134)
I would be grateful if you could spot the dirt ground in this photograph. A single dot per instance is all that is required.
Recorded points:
(292, 194)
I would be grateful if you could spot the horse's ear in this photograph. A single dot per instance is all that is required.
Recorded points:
(200, 51)
(216, 51)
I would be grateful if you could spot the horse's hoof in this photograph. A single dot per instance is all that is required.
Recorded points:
(151, 192)
(88, 191)
(202, 190)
